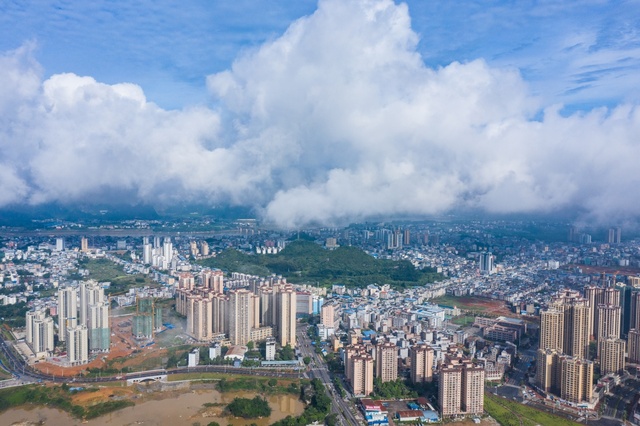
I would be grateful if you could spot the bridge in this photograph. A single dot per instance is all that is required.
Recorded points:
(154, 378)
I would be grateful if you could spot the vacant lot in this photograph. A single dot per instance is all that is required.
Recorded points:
(509, 413)
(475, 305)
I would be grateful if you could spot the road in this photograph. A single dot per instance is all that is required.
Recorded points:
(19, 368)
(343, 409)
(517, 375)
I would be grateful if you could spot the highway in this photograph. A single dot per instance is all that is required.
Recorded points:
(319, 370)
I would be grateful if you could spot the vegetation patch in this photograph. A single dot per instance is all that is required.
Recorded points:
(304, 261)
(270, 386)
(511, 413)
(317, 410)
(249, 408)
(396, 389)
(103, 270)
(57, 397)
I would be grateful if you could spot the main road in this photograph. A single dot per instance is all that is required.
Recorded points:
(319, 370)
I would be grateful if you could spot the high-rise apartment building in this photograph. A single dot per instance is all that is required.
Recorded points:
(147, 252)
(386, 362)
(42, 338)
(614, 236)
(421, 363)
(547, 370)
(201, 324)
(362, 374)
(634, 311)
(286, 310)
(552, 329)
(595, 297)
(328, 314)
(575, 334)
(450, 391)
(240, 320)
(633, 281)
(98, 326)
(612, 351)
(186, 281)
(576, 379)
(633, 345)
(611, 296)
(565, 325)
(167, 250)
(569, 377)
(90, 294)
(486, 263)
(32, 316)
(148, 318)
(213, 279)
(359, 369)
(460, 388)
(608, 323)
(267, 306)
(84, 244)
(220, 322)
(67, 310)
(77, 345)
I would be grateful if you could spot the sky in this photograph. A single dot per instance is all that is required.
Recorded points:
(323, 112)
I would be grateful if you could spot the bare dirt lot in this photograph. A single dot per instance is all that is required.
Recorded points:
(479, 305)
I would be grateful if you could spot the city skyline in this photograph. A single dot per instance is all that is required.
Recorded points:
(323, 114)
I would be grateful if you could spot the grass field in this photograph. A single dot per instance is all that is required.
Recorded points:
(511, 413)
(467, 305)
(464, 320)
(105, 270)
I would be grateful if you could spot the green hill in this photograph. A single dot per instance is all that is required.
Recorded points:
(304, 261)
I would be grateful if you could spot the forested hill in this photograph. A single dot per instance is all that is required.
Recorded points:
(304, 261)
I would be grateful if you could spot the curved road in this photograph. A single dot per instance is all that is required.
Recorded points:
(18, 367)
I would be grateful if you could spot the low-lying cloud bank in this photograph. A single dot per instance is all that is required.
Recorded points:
(336, 120)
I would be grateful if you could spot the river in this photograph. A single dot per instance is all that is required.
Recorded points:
(183, 409)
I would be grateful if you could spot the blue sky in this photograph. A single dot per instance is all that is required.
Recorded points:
(583, 54)
(324, 113)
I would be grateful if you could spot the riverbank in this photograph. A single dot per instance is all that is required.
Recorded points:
(184, 405)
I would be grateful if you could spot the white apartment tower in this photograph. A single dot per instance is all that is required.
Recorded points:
(240, 316)
(67, 310)
(77, 345)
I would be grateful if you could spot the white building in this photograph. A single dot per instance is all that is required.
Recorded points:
(67, 310)
(77, 345)
(270, 350)
(194, 358)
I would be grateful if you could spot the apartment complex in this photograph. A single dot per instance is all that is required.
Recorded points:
(421, 363)
(460, 388)
(386, 361)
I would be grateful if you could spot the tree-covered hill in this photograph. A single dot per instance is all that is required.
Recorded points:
(304, 261)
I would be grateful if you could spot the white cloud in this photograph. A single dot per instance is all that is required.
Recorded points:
(336, 120)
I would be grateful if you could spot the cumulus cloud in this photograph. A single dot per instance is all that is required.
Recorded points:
(336, 120)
